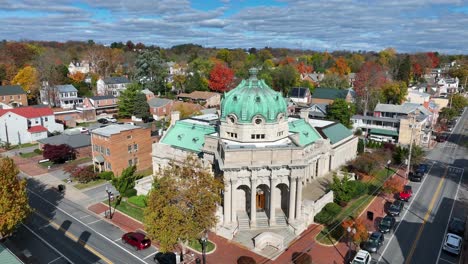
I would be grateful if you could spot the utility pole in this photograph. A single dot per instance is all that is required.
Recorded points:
(413, 123)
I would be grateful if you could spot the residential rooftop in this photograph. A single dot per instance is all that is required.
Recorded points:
(113, 129)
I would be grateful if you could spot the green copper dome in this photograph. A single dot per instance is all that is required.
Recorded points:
(251, 99)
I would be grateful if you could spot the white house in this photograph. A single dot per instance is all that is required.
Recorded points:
(83, 67)
(63, 96)
(27, 124)
(448, 85)
(112, 85)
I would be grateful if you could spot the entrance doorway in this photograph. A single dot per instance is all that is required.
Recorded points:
(260, 201)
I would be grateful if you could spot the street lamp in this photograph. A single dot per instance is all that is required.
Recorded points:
(204, 242)
(353, 231)
(388, 167)
(110, 196)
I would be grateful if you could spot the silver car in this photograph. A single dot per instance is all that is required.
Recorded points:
(453, 244)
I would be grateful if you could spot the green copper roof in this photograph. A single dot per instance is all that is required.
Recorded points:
(336, 132)
(187, 135)
(385, 132)
(307, 133)
(253, 97)
(6, 257)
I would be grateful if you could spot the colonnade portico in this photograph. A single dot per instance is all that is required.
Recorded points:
(243, 195)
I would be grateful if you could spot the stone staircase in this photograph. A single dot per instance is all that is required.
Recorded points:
(262, 221)
(243, 220)
(280, 218)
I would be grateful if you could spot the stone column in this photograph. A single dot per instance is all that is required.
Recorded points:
(227, 202)
(292, 198)
(299, 199)
(253, 203)
(272, 201)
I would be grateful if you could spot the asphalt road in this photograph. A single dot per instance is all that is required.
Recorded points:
(420, 231)
(60, 231)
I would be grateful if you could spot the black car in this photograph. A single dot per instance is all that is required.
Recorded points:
(457, 226)
(165, 258)
(374, 242)
(395, 208)
(416, 176)
(103, 121)
(422, 168)
(386, 224)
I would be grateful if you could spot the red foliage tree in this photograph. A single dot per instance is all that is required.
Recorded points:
(82, 173)
(434, 59)
(361, 229)
(368, 81)
(417, 69)
(59, 153)
(392, 185)
(303, 68)
(221, 78)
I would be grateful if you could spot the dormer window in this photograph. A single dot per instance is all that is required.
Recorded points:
(257, 99)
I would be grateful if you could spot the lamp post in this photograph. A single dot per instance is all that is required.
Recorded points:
(351, 231)
(204, 242)
(388, 167)
(110, 196)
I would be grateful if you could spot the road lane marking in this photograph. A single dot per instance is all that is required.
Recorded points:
(55, 260)
(93, 222)
(450, 216)
(149, 255)
(73, 237)
(92, 229)
(47, 243)
(447, 261)
(118, 239)
(407, 210)
(426, 217)
(85, 216)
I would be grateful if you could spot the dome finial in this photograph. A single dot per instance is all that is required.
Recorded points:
(253, 73)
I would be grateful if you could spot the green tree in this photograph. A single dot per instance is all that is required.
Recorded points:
(284, 78)
(341, 111)
(14, 204)
(334, 80)
(394, 92)
(226, 56)
(195, 82)
(458, 102)
(404, 72)
(151, 70)
(447, 114)
(126, 181)
(182, 203)
(141, 107)
(127, 100)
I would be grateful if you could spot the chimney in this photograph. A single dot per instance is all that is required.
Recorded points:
(305, 114)
(175, 116)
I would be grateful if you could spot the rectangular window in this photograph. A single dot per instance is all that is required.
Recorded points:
(135, 161)
(130, 162)
(129, 148)
(11, 97)
(252, 136)
(107, 151)
(37, 121)
(109, 166)
(257, 136)
(46, 119)
(135, 147)
(19, 96)
(129, 136)
(262, 136)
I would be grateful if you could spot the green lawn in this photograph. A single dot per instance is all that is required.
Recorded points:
(87, 124)
(128, 209)
(80, 161)
(381, 175)
(146, 172)
(29, 155)
(195, 244)
(81, 186)
(26, 145)
(46, 164)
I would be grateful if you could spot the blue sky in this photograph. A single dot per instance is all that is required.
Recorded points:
(407, 25)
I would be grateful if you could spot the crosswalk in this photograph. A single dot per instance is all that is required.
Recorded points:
(455, 170)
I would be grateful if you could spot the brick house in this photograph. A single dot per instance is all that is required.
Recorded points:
(207, 99)
(13, 95)
(160, 107)
(116, 147)
(102, 103)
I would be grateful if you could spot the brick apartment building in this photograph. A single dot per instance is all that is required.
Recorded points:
(117, 147)
(13, 95)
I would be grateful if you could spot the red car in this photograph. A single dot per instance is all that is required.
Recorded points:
(406, 194)
(137, 240)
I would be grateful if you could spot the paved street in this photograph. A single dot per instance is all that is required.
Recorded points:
(419, 236)
(72, 231)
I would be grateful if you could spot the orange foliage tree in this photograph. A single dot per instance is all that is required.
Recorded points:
(77, 76)
(392, 185)
(221, 78)
(361, 229)
(303, 68)
(341, 67)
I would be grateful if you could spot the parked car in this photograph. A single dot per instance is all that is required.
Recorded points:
(441, 138)
(416, 176)
(111, 119)
(457, 226)
(406, 194)
(452, 244)
(422, 168)
(165, 258)
(386, 224)
(395, 208)
(103, 120)
(362, 257)
(374, 242)
(138, 240)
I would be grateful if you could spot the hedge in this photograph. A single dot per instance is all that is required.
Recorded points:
(106, 175)
(328, 213)
(130, 193)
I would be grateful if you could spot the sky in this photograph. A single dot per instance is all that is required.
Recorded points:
(371, 25)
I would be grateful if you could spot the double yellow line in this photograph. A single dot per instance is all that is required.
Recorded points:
(426, 217)
(73, 237)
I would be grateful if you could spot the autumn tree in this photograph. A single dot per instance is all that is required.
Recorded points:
(151, 70)
(82, 174)
(394, 92)
(77, 76)
(221, 78)
(341, 111)
(28, 78)
(334, 80)
(182, 203)
(367, 84)
(358, 224)
(355, 62)
(392, 185)
(58, 153)
(458, 102)
(340, 67)
(14, 204)
(225, 55)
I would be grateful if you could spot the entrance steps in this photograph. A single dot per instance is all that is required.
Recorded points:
(243, 220)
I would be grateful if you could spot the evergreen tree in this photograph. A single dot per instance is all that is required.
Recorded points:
(141, 107)
(404, 71)
(151, 70)
(127, 100)
(196, 82)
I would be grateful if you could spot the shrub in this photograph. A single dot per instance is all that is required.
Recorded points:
(106, 175)
(82, 174)
(38, 151)
(130, 193)
(327, 214)
(357, 188)
(139, 200)
(332, 208)
(360, 146)
(59, 153)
